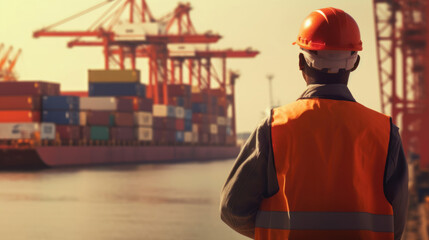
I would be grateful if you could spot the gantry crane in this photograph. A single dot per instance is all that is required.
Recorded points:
(161, 41)
(402, 37)
(7, 65)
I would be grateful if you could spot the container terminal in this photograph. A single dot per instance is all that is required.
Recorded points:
(186, 110)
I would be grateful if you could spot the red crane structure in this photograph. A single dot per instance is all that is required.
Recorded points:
(7, 65)
(402, 37)
(169, 43)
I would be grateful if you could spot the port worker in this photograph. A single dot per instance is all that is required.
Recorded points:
(325, 166)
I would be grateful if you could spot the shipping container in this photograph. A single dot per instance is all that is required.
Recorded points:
(199, 118)
(163, 136)
(47, 131)
(195, 128)
(117, 89)
(213, 129)
(68, 132)
(82, 118)
(199, 98)
(180, 136)
(61, 117)
(20, 103)
(180, 124)
(99, 133)
(160, 110)
(195, 137)
(166, 123)
(188, 125)
(70, 103)
(15, 131)
(23, 88)
(180, 112)
(113, 76)
(106, 104)
(122, 133)
(142, 104)
(143, 119)
(188, 137)
(179, 90)
(144, 134)
(188, 114)
(85, 133)
(221, 121)
(199, 108)
(19, 116)
(75, 93)
(203, 138)
(100, 118)
(124, 119)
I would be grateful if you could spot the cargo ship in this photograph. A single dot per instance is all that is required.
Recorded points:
(114, 122)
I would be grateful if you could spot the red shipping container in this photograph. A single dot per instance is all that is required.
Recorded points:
(20, 103)
(85, 133)
(199, 118)
(99, 118)
(122, 133)
(212, 119)
(179, 90)
(142, 104)
(164, 123)
(164, 136)
(203, 138)
(125, 105)
(198, 98)
(75, 93)
(124, 119)
(180, 124)
(68, 132)
(19, 116)
(37, 88)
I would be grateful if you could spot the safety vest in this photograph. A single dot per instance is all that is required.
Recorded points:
(330, 159)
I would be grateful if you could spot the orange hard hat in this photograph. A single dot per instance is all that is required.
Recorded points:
(329, 29)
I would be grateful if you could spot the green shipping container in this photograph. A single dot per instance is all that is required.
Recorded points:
(113, 76)
(99, 133)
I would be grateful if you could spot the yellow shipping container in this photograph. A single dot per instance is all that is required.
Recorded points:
(113, 76)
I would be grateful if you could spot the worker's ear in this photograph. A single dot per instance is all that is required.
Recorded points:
(302, 62)
(356, 64)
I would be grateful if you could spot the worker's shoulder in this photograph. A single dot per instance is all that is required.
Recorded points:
(371, 111)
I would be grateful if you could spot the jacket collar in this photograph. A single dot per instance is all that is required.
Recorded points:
(328, 91)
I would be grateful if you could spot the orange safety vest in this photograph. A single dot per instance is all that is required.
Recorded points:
(330, 158)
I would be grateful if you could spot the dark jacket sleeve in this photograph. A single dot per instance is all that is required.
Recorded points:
(251, 179)
(396, 181)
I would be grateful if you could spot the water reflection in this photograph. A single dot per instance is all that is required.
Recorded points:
(171, 201)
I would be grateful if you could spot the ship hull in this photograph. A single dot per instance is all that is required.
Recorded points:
(62, 156)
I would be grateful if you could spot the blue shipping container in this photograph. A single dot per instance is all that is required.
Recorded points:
(199, 108)
(180, 136)
(188, 114)
(117, 89)
(61, 117)
(188, 125)
(60, 103)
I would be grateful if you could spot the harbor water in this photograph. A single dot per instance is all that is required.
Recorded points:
(161, 201)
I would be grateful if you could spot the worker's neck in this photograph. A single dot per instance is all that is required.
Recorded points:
(313, 76)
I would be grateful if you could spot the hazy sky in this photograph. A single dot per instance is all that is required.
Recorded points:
(269, 26)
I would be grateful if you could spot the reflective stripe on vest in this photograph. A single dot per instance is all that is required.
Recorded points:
(324, 221)
(330, 159)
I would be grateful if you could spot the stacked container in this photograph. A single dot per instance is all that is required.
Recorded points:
(20, 110)
(63, 111)
(164, 124)
(200, 117)
(180, 97)
(126, 123)
(143, 119)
